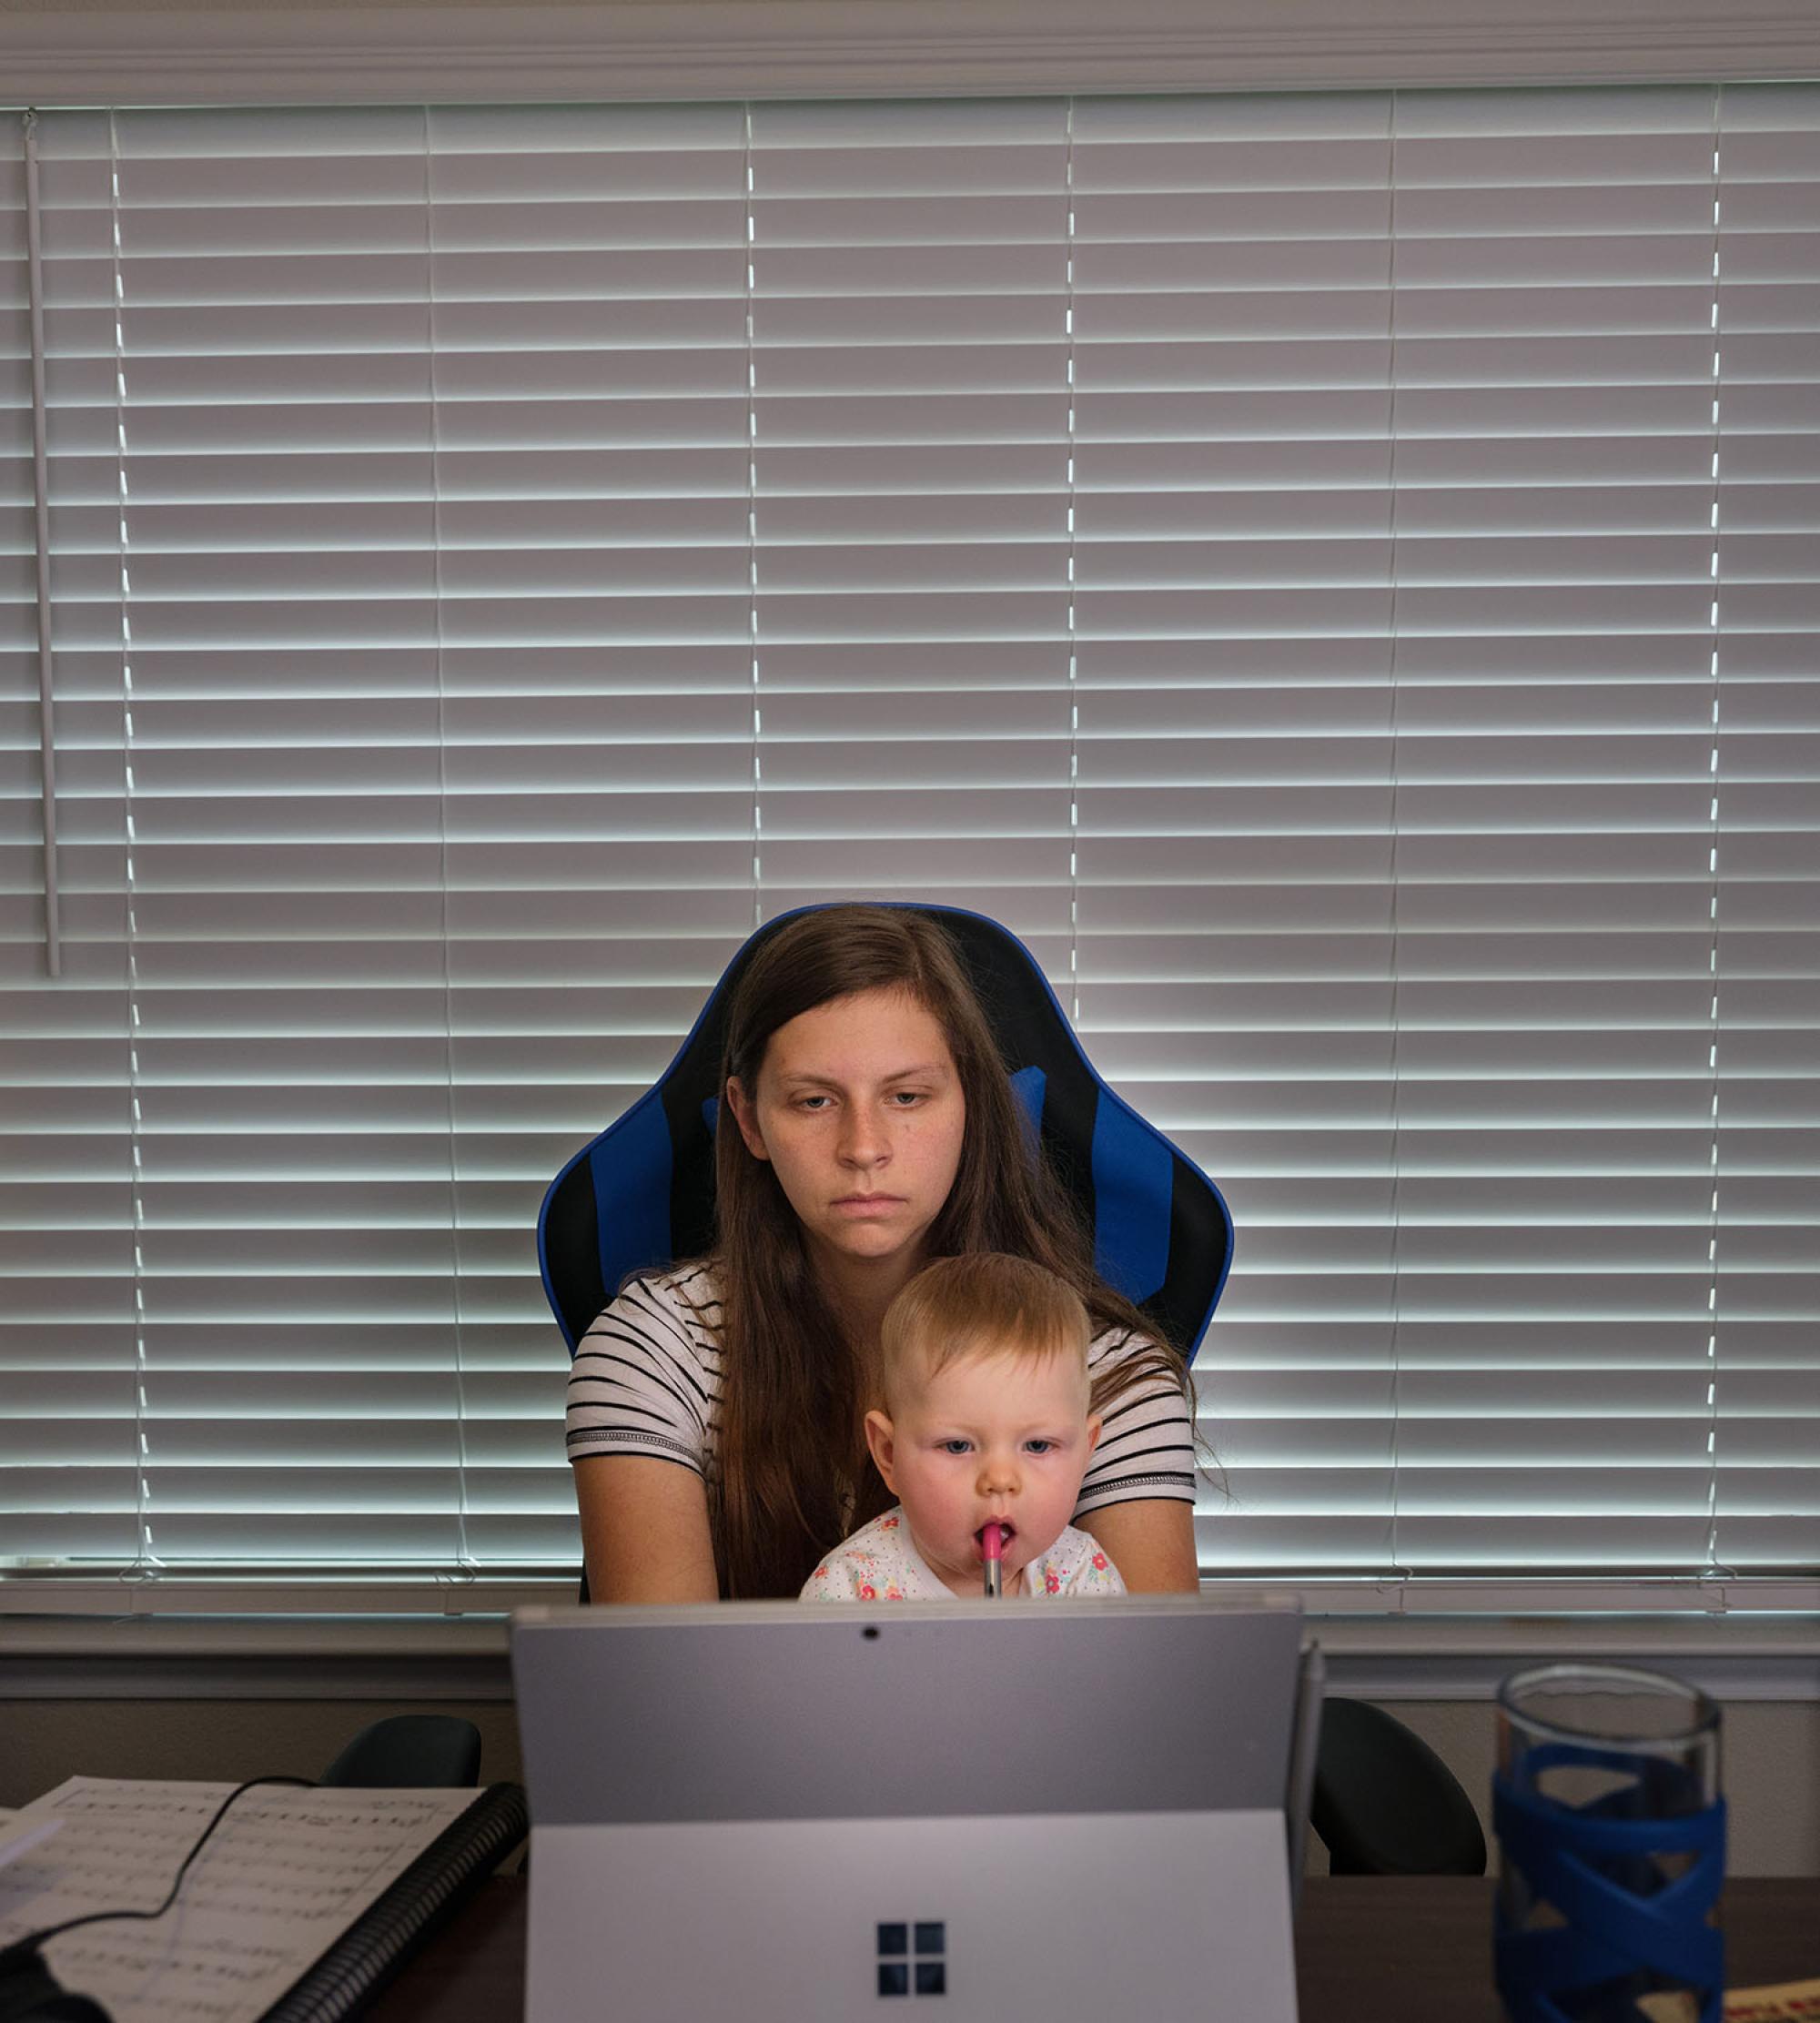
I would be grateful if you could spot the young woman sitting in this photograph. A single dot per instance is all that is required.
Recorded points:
(716, 1410)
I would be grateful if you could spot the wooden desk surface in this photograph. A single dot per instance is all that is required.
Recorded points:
(1368, 1950)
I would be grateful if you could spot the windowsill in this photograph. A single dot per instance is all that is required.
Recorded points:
(418, 1656)
(420, 1595)
(96, 1657)
(1731, 1657)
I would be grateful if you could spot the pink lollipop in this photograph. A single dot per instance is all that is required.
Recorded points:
(992, 1549)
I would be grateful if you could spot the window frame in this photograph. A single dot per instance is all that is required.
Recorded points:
(719, 49)
(708, 49)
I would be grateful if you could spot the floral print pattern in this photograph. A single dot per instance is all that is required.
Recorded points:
(880, 1563)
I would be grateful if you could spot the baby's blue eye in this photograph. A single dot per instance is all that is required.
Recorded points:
(1040, 1446)
(956, 1446)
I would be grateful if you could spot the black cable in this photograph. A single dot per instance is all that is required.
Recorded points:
(22, 1958)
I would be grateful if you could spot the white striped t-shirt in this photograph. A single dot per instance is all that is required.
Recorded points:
(646, 1380)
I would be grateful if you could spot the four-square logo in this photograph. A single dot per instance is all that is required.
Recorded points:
(913, 1958)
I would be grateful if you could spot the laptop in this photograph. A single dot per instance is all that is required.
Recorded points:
(938, 1812)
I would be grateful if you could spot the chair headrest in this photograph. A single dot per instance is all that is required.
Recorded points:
(641, 1194)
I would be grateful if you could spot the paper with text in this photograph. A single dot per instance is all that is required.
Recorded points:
(283, 1875)
(16, 1842)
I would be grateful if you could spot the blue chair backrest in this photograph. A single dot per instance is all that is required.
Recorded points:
(641, 1194)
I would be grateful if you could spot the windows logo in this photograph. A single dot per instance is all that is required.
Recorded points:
(912, 1960)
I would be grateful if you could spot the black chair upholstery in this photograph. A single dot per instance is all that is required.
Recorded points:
(1385, 1804)
(410, 1749)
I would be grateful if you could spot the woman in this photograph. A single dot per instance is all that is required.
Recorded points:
(716, 1410)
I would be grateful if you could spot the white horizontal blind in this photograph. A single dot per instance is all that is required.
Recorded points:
(430, 503)
(1263, 549)
(911, 475)
(67, 1339)
(1766, 1497)
(1430, 882)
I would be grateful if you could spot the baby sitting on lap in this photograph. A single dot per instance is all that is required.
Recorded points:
(987, 1417)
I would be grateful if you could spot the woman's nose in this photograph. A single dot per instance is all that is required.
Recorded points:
(862, 1142)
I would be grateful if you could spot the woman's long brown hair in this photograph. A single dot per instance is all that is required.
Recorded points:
(791, 1474)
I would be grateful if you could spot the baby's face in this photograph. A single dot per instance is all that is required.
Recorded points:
(990, 1437)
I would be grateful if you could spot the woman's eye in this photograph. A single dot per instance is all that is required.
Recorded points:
(906, 1098)
(813, 1103)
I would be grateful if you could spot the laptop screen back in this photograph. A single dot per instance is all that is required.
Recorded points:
(1022, 1813)
(777, 1710)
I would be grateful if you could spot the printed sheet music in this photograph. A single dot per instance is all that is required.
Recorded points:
(281, 1878)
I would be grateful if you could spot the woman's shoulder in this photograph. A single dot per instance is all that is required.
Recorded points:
(684, 1298)
(646, 1376)
(692, 1286)
(1117, 1341)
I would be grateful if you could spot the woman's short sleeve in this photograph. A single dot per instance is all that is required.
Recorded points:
(646, 1376)
(1146, 1442)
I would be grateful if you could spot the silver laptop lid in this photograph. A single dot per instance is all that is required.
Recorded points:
(778, 1711)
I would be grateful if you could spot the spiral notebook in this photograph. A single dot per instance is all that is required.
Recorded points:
(302, 1902)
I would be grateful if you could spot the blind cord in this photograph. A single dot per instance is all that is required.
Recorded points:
(751, 523)
(1074, 644)
(466, 1567)
(1713, 1567)
(1398, 1570)
(41, 503)
(145, 1562)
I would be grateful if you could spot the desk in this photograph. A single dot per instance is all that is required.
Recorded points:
(1368, 1950)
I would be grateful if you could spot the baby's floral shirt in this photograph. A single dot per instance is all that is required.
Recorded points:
(880, 1563)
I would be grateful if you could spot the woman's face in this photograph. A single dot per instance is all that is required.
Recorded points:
(858, 1108)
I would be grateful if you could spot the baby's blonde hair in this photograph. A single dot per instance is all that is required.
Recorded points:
(981, 1304)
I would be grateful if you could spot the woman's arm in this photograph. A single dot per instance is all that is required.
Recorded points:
(1151, 1542)
(644, 1530)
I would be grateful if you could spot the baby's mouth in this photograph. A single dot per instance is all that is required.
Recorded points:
(1006, 1532)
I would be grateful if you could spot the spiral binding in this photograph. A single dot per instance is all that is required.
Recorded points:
(379, 1942)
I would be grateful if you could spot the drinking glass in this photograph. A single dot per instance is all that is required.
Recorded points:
(1606, 1804)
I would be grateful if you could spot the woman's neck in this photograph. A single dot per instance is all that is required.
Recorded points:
(859, 1289)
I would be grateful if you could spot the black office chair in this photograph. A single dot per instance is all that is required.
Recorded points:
(1385, 1804)
(410, 1750)
(641, 1194)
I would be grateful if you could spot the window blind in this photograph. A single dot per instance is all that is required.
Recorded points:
(1435, 732)
(1335, 572)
